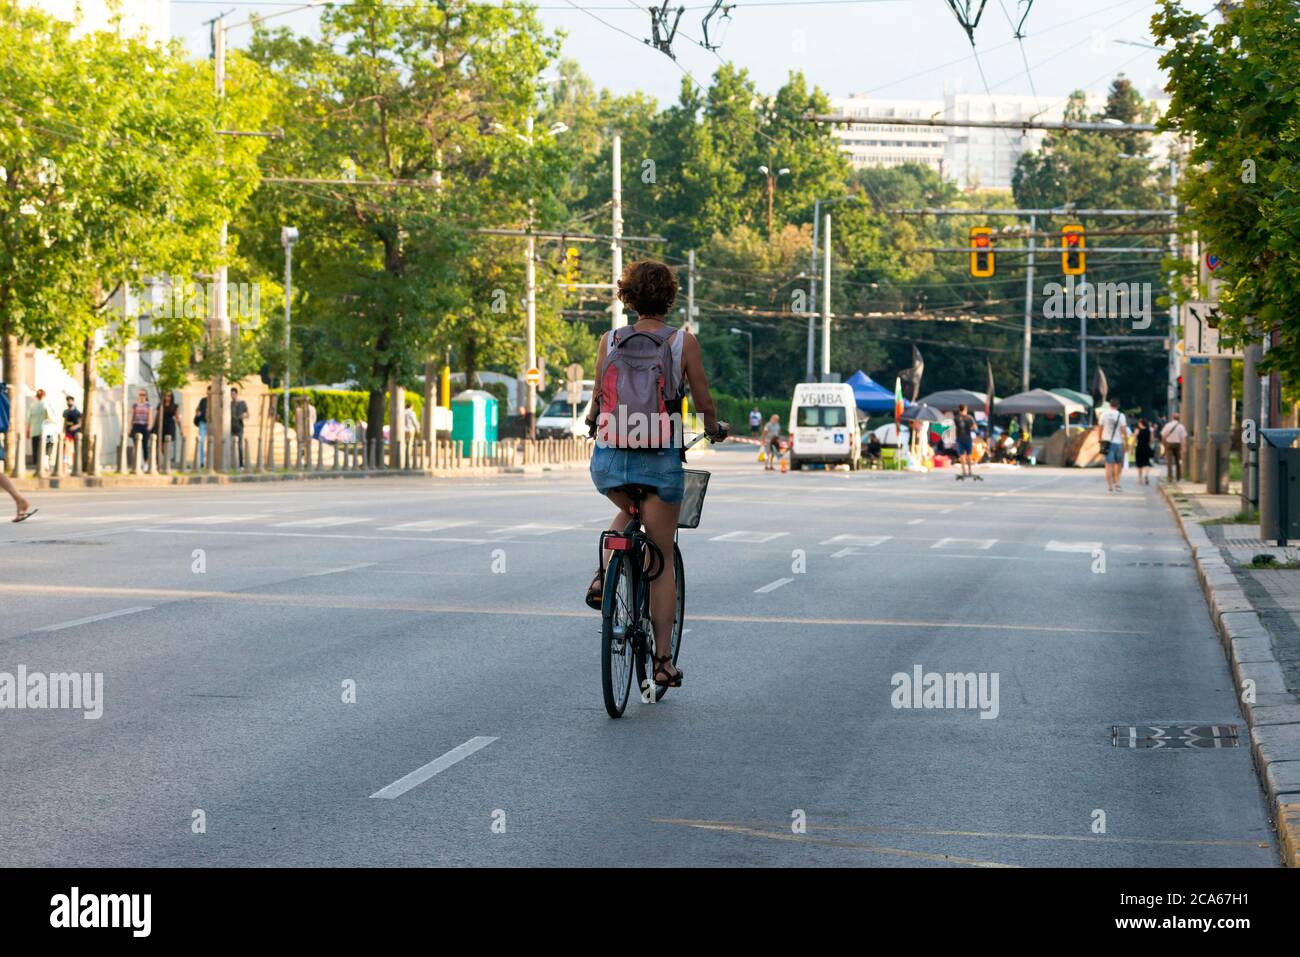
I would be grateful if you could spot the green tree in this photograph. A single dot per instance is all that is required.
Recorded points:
(1233, 93)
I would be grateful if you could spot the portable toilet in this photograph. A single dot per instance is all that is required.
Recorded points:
(473, 418)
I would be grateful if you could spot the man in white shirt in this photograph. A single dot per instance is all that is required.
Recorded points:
(1173, 435)
(1112, 432)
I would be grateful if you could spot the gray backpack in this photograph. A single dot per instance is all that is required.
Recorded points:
(639, 390)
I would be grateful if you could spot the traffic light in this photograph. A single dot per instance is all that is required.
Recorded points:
(981, 257)
(571, 267)
(1073, 258)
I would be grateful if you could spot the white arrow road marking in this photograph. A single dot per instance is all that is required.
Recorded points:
(772, 586)
(93, 618)
(436, 766)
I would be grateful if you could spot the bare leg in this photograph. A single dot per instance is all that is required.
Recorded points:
(660, 520)
(22, 503)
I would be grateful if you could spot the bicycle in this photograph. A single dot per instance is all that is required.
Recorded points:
(627, 633)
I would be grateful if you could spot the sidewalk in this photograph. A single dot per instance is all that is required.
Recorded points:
(1257, 613)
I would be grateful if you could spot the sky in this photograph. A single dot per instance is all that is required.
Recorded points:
(913, 49)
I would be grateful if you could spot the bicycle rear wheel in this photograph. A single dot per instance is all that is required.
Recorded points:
(618, 623)
(679, 623)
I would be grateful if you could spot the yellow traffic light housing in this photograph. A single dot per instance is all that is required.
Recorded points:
(981, 258)
(1073, 258)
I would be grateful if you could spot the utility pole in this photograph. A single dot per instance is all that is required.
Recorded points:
(826, 301)
(812, 293)
(218, 320)
(1083, 333)
(530, 297)
(1029, 306)
(690, 293)
(616, 246)
(1171, 391)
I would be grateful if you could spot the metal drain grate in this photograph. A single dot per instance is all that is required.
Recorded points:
(1174, 736)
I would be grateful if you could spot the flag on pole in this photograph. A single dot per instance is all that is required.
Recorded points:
(898, 400)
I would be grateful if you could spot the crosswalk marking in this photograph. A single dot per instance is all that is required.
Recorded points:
(1086, 547)
(751, 538)
(320, 521)
(531, 528)
(869, 541)
(218, 519)
(981, 543)
(123, 517)
(427, 525)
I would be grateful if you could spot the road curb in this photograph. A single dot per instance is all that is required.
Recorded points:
(1272, 713)
(168, 481)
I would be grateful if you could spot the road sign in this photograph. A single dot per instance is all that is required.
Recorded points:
(533, 376)
(1200, 330)
(1212, 262)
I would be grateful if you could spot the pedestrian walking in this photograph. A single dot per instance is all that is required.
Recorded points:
(755, 420)
(38, 419)
(771, 442)
(963, 424)
(142, 423)
(238, 416)
(168, 427)
(25, 510)
(201, 424)
(1112, 429)
(1173, 435)
(1143, 449)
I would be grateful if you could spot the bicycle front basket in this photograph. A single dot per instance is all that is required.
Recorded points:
(697, 483)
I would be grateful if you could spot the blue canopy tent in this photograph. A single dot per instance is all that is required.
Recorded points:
(871, 396)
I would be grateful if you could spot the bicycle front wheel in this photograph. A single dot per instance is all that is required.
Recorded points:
(618, 622)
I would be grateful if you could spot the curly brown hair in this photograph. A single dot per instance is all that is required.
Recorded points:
(649, 287)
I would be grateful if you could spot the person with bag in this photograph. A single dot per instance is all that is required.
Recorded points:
(1112, 429)
(642, 372)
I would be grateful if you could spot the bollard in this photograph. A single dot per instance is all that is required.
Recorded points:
(164, 461)
(136, 448)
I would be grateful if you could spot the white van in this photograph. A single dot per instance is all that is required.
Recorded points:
(824, 425)
(559, 420)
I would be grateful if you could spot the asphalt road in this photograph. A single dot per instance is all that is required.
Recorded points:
(242, 615)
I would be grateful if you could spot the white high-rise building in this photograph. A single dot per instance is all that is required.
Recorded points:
(972, 157)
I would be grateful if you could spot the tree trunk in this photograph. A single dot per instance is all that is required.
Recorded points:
(88, 406)
(13, 378)
(375, 426)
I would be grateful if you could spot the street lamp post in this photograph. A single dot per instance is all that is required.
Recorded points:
(771, 191)
(288, 236)
(742, 332)
(530, 280)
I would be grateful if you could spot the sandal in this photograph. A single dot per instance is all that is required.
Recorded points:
(661, 668)
(596, 590)
(25, 515)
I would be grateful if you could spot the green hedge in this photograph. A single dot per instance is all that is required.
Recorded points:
(342, 405)
(736, 410)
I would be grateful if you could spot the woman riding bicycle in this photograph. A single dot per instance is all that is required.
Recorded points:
(625, 456)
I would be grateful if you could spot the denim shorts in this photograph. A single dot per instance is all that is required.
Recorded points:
(1115, 454)
(965, 446)
(660, 469)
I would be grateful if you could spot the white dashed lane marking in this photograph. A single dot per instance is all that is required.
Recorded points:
(772, 586)
(94, 618)
(436, 766)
